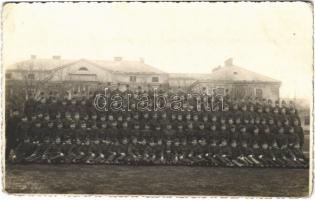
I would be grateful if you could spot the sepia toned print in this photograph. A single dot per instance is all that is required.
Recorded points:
(209, 99)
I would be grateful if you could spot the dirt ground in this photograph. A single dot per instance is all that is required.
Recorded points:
(155, 180)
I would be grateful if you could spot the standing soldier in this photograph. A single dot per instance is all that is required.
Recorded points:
(299, 131)
(22, 130)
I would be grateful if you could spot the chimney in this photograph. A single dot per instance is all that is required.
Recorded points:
(33, 57)
(117, 58)
(228, 62)
(217, 68)
(56, 57)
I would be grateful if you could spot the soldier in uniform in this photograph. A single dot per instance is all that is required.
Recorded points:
(22, 130)
(159, 152)
(122, 152)
(299, 131)
(224, 154)
(213, 150)
(133, 151)
(202, 150)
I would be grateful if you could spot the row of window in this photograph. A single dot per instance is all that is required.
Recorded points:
(155, 79)
(131, 78)
(29, 76)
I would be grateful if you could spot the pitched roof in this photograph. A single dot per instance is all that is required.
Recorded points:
(121, 66)
(238, 74)
(186, 76)
(39, 64)
(126, 66)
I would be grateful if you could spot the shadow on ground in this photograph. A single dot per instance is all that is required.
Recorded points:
(155, 180)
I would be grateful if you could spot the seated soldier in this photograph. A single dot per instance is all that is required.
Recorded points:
(285, 152)
(23, 150)
(224, 154)
(183, 151)
(142, 143)
(297, 154)
(40, 151)
(103, 150)
(53, 153)
(212, 152)
(192, 155)
(235, 154)
(255, 153)
(245, 153)
(93, 151)
(74, 153)
(113, 151)
(264, 156)
(276, 154)
(168, 151)
(176, 149)
(149, 154)
(201, 151)
(159, 152)
(122, 157)
(133, 151)
(83, 151)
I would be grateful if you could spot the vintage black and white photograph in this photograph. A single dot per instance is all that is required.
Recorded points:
(157, 98)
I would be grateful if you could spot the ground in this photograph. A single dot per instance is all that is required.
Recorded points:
(156, 180)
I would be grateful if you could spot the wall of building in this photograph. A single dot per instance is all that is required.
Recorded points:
(183, 83)
(242, 90)
(64, 74)
(140, 78)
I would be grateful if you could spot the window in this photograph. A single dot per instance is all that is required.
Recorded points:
(8, 75)
(259, 93)
(133, 78)
(218, 91)
(155, 79)
(83, 69)
(31, 76)
(307, 120)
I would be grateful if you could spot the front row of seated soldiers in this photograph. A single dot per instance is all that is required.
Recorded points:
(260, 148)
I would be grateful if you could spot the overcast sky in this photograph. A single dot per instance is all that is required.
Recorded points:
(274, 39)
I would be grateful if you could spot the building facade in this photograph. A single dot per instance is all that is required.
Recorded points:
(239, 83)
(83, 76)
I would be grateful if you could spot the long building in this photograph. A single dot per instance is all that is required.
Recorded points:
(84, 75)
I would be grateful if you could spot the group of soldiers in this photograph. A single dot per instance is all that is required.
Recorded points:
(239, 133)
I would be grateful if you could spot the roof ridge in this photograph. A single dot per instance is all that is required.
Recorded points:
(262, 75)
